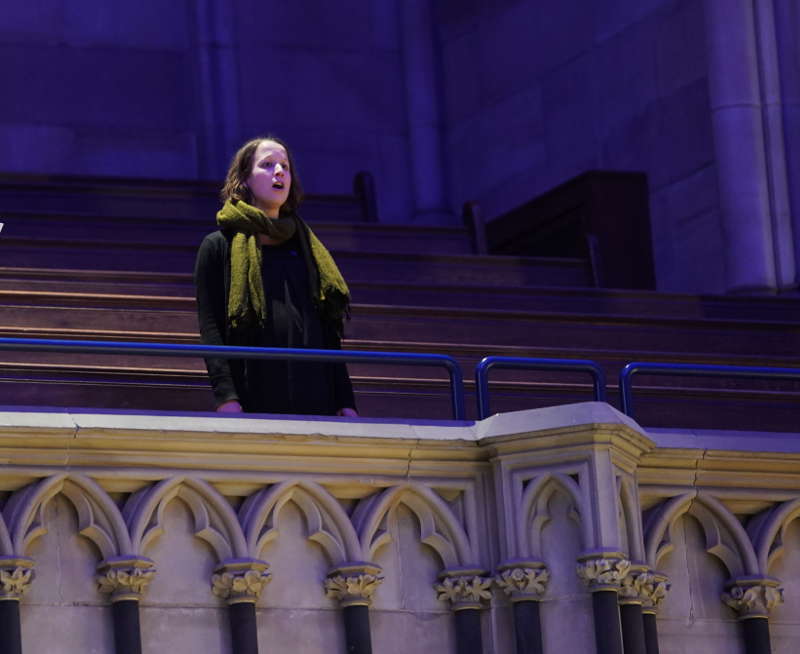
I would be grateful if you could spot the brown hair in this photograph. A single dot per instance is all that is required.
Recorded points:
(235, 187)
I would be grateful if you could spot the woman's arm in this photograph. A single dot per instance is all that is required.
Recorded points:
(209, 278)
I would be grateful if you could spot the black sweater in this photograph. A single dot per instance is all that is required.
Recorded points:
(293, 320)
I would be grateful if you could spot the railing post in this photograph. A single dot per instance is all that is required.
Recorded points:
(603, 573)
(353, 585)
(17, 576)
(753, 598)
(467, 589)
(125, 579)
(240, 582)
(525, 582)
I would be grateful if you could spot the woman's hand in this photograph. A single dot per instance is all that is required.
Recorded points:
(347, 412)
(231, 406)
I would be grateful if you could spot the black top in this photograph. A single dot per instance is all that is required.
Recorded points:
(293, 320)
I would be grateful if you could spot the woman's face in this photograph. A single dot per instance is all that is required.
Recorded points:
(270, 177)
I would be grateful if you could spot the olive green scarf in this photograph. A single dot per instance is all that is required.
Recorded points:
(246, 299)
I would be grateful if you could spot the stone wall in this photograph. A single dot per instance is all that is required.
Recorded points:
(528, 506)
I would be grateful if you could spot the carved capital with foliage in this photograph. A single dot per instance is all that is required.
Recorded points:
(125, 578)
(753, 597)
(353, 584)
(603, 570)
(523, 580)
(16, 575)
(654, 587)
(240, 580)
(464, 588)
(632, 587)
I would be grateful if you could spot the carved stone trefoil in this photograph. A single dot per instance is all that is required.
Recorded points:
(523, 580)
(240, 580)
(125, 578)
(16, 575)
(353, 584)
(464, 588)
(603, 570)
(753, 597)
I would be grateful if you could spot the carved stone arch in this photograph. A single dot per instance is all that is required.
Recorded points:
(327, 522)
(738, 557)
(215, 521)
(768, 533)
(439, 527)
(99, 518)
(535, 512)
(632, 514)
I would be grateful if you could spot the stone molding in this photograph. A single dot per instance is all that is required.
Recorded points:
(240, 580)
(603, 570)
(753, 597)
(353, 584)
(125, 578)
(16, 575)
(523, 580)
(464, 588)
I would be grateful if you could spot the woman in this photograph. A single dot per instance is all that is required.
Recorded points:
(264, 279)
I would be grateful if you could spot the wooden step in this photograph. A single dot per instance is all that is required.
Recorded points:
(131, 197)
(397, 267)
(529, 298)
(188, 232)
(148, 315)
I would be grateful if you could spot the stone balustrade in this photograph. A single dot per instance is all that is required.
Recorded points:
(429, 531)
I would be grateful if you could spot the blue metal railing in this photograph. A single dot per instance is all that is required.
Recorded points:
(693, 370)
(524, 363)
(233, 352)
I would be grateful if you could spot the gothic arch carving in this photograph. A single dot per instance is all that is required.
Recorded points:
(99, 518)
(327, 522)
(737, 554)
(767, 532)
(439, 527)
(535, 511)
(215, 521)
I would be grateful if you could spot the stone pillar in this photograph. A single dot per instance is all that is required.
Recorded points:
(240, 582)
(753, 598)
(218, 86)
(16, 575)
(525, 583)
(422, 107)
(353, 586)
(603, 573)
(467, 589)
(736, 116)
(654, 589)
(125, 580)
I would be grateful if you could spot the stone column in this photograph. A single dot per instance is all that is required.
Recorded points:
(240, 582)
(467, 589)
(353, 586)
(739, 143)
(422, 107)
(654, 589)
(753, 598)
(603, 573)
(525, 583)
(16, 575)
(218, 87)
(125, 580)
